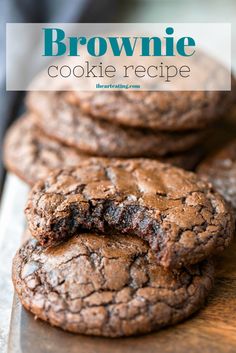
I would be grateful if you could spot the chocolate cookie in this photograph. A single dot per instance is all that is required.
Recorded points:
(106, 286)
(32, 155)
(60, 119)
(180, 216)
(220, 170)
(169, 111)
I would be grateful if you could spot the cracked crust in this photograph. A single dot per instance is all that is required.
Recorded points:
(106, 285)
(59, 118)
(220, 170)
(180, 216)
(169, 111)
(31, 155)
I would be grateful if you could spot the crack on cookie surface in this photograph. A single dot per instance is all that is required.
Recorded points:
(106, 285)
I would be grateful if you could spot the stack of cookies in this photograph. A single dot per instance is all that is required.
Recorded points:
(61, 129)
(118, 245)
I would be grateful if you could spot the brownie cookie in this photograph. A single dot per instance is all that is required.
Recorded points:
(169, 111)
(220, 170)
(31, 155)
(180, 216)
(106, 286)
(60, 119)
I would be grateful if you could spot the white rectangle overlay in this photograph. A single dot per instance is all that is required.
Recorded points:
(125, 56)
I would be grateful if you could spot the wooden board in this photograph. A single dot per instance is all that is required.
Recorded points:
(12, 223)
(213, 329)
